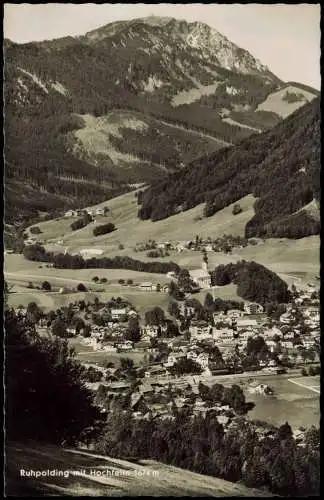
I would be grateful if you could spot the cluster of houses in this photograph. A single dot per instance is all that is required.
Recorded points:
(90, 211)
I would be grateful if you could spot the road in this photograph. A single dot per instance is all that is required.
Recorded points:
(305, 386)
(28, 277)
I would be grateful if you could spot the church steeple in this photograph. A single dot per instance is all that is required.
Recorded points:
(205, 261)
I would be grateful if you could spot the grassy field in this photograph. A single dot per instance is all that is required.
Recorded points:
(292, 259)
(145, 478)
(296, 261)
(85, 353)
(123, 213)
(298, 405)
(277, 104)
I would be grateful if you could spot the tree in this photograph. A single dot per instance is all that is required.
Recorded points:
(185, 365)
(59, 328)
(130, 282)
(95, 279)
(133, 332)
(154, 316)
(81, 288)
(284, 431)
(173, 309)
(43, 384)
(237, 209)
(34, 313)
(87, 331)
(46, 286)
(172, 330)
(209, 302)
(121, 281)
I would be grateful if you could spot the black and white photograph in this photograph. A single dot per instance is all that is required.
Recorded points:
(161, 261)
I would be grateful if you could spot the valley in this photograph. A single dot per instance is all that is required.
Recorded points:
(161, 265)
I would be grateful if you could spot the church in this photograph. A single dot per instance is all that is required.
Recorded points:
(201, 276)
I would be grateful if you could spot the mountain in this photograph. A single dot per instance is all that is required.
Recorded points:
(280, 167)
(127, 103)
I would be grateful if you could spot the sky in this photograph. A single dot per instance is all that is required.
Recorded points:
(285, 37)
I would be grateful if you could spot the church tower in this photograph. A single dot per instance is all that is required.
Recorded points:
(205, 262)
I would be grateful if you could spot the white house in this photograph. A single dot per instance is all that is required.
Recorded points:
(246, 323)
(173, 358)
(118, 313)
(285, 318)
(203, 360)
(192, 355)
(253, 308)
(70, 213)
(147, 287)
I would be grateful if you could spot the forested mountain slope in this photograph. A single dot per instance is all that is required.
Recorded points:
(280, 167)
(127, 103)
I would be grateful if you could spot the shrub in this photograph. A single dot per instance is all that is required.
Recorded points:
(81, 288)
(237, 209)
(121, 281)
(80, 223)
(35, 230)
(104, 229)
(46, 286)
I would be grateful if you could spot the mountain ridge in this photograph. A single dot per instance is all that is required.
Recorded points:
(280, 167)
(178, 76)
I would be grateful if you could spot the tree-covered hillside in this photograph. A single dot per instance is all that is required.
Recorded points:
(280, 167)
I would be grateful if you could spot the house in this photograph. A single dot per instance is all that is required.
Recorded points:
(127, 345)
(109, 348)
(118, 313)
(173, 358)
(246, 323)
(263, 389)
(235, 313)
(192, 355)
(201, 277)
(186, 310)
(70, 213)
(155, 371)
(285, 318)
(203, 360)
(253, 308)
(147, 287)
(119, 386)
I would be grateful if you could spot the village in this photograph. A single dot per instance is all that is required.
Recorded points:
(188, 345)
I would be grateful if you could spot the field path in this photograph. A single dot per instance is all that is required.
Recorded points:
(19, 277)
(305, 386)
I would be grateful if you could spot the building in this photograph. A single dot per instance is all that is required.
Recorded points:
(246, 323)
(253, 308)
(186, 310)
(155, 371)
(173, 358)
(203, 360)
(118, 313)
(70, 213)
(147, 287)
(201, 276)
